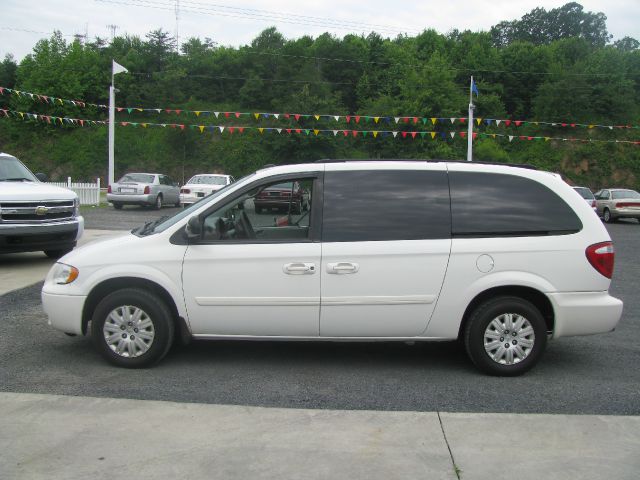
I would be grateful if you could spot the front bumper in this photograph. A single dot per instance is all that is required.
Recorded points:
(584, 313)
(64, 311)
(131, 199)
(43, 236)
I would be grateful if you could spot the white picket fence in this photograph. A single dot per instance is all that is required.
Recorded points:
(88, 193)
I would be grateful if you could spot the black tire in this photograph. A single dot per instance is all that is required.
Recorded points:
(606, 216)
(296, 209)
(158, 204)
(258, 210)
(56, 254)
(478, 326)
(117, 206)
(154, 309)
(305, 206)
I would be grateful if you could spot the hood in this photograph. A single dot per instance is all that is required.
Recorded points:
(94, 252)
(33, 191)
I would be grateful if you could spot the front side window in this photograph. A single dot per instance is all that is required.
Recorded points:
(279, 212)
(488, 204)
(379, 205)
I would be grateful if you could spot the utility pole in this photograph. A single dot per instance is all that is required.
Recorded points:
(178, 26)
(113, 29)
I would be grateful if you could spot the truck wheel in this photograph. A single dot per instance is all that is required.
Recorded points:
(132, 328)
(505, 336)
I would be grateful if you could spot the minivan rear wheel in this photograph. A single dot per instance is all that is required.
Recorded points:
(132, 328)
(505, 336)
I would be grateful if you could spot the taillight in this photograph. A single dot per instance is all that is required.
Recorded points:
(601, 256)
(109, 189)
(593, 204)
(627, 204)
(147, 190)
(185, 190)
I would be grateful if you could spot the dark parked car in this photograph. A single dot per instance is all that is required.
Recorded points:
(283, 196)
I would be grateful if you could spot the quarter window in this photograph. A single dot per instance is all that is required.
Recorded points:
(362, 206)
(485, 204)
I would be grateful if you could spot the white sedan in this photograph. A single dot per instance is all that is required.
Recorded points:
(200, 186)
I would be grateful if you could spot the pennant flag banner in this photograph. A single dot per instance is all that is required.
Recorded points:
(412, 135)
(48, 99)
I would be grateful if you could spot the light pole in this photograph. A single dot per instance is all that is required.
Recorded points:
(115, 69)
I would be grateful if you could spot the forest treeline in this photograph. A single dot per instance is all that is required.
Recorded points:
(555, 66)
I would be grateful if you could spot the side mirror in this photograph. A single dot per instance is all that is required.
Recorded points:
(41, 176)
(193, 229)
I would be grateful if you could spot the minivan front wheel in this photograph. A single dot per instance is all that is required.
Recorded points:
(505, 336)
(132, 328)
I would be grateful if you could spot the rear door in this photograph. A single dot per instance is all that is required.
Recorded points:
(386, 240)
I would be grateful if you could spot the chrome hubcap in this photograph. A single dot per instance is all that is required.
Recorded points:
(128, 331)
(509, 339)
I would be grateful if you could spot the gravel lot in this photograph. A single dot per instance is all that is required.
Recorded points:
(580, 375)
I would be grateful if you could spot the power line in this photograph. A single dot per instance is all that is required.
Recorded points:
(12, 29)
(282, 18)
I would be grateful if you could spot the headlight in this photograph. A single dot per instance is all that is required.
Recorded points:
(62, 274)
(76, 207)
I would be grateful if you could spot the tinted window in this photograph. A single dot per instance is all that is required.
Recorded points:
(385, 205)
(488, 203)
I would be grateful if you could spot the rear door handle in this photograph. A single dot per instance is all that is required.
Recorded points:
(341, 268)
(299, 268)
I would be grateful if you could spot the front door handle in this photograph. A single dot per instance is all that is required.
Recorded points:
(299, 268)
(341, 268)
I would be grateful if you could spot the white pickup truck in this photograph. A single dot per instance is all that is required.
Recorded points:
(35, 216)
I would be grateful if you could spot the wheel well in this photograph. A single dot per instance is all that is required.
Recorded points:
(105, 288)
(532, 295)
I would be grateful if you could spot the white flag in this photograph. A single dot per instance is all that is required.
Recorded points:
(117, 68)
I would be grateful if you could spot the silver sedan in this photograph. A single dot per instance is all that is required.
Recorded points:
(151, 189)
(615, 203)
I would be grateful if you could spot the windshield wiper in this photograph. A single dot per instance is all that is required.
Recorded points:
(148, 227)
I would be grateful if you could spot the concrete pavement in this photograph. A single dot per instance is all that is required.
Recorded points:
(19, 270)
(49, 436)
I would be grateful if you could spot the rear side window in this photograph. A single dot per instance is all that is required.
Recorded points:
(361, 206)
(489, 204)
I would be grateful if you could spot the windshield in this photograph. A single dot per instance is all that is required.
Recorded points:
(13, 170)
(584, 193)
(209, 180)
(624, 194)
(137, 177)
(166, 223)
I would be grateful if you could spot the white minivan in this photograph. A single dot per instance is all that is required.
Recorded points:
(501, 257)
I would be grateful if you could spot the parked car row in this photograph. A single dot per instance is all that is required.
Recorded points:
(156, 190)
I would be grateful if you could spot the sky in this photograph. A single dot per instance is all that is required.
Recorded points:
(237, 22)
